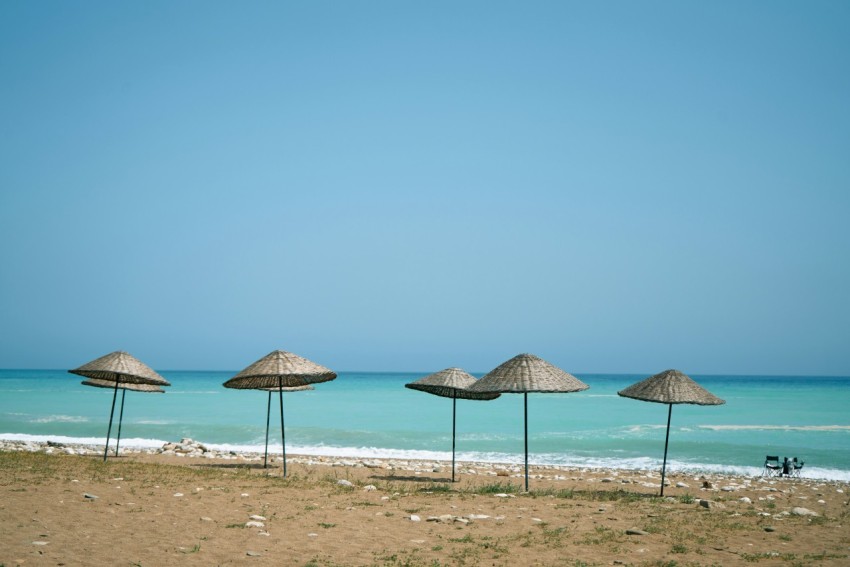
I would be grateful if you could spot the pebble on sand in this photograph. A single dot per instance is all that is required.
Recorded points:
(254, 524)
(710, 504)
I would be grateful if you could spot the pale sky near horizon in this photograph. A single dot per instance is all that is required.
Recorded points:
(376, 185)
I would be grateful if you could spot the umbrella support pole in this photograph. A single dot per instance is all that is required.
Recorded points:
(120, 420)
(666, 441)
(525, 404)
(282, 429)
(268, 420)
(454, 418)
(111, 414)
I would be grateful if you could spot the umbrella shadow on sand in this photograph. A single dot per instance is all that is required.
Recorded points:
(409, 478)
(227, 466)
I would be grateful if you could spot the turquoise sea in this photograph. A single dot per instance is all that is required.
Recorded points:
(362, 414)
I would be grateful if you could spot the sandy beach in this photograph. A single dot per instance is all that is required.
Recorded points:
(188, 506)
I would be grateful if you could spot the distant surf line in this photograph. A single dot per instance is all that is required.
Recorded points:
(775, 427)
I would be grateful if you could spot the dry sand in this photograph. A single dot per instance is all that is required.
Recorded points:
(155, 509)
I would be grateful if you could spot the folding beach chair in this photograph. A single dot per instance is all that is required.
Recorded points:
(771, 466)
(796, 467)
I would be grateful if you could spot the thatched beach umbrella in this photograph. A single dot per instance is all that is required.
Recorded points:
(670, 387)
(269, 413)
(147, 388)
(119, 368)
(278, 370)
(524, 374)
(451, 383)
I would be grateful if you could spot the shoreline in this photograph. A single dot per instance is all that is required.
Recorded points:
(191, 449)
(233, 451)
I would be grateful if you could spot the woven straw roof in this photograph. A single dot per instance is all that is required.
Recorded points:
(120, 367)
(451, 383)
(671, 387)
(528, 373)
(290, 388)
(123, 386)
(280, 368)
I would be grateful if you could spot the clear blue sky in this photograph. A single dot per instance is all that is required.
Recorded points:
(384, 185)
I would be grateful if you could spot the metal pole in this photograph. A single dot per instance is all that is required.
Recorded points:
(454, 417)
(525, 403)
(666, 440)
(120, 420)
(111, 413)
(268, 420)
(282, 430)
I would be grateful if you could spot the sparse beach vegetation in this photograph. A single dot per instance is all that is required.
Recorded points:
(576, 520)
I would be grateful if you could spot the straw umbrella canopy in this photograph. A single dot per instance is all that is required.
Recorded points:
(269, 412)
(451, 383)
(147, 388)
(524, 374)
(119, 368)
(670, 387)
(279, 370)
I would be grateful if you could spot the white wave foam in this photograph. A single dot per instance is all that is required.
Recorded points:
(499, 437)
(551, 459)
(129, 442)
(343, 452)
(644, 427)
(60, 419)
(776, 427)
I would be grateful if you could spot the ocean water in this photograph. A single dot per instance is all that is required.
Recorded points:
(363, 414)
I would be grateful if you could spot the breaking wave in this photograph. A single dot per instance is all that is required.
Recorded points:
(775, 427)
